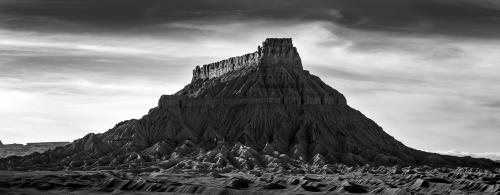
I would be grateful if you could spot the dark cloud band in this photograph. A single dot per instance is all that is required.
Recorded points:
(474, 18)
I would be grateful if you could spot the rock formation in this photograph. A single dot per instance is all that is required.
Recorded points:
(273, 52)
(257, 111)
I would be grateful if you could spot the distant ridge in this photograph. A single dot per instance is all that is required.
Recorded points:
(23, 150)
(257, 111)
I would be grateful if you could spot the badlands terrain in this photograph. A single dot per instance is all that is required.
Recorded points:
(341, 180)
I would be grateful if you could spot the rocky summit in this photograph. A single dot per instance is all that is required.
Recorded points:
(259, 111)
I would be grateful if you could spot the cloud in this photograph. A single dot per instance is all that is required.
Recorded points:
(490, 155)
(471, 18)
(52, 116)
(492, 104)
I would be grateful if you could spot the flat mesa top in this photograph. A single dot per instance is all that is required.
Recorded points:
(273, 52)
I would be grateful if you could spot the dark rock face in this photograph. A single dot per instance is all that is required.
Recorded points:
(239, 183)
(258, 111)
(274, 186)
(353, 188)
(310, 188)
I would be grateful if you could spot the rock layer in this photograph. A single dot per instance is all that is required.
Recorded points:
(259, 111)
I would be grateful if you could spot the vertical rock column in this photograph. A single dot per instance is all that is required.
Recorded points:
(277, 51)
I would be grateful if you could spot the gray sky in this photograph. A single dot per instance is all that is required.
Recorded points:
(427, 71)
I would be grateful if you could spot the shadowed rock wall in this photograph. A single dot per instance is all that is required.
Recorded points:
(279, 52)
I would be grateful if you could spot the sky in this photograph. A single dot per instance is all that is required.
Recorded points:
(426, 71)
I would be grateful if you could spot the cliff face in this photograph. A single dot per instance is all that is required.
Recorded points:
(272, 52)
(261, 110)
(279, 52)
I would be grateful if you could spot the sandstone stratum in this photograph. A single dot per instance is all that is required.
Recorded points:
(259, 111)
